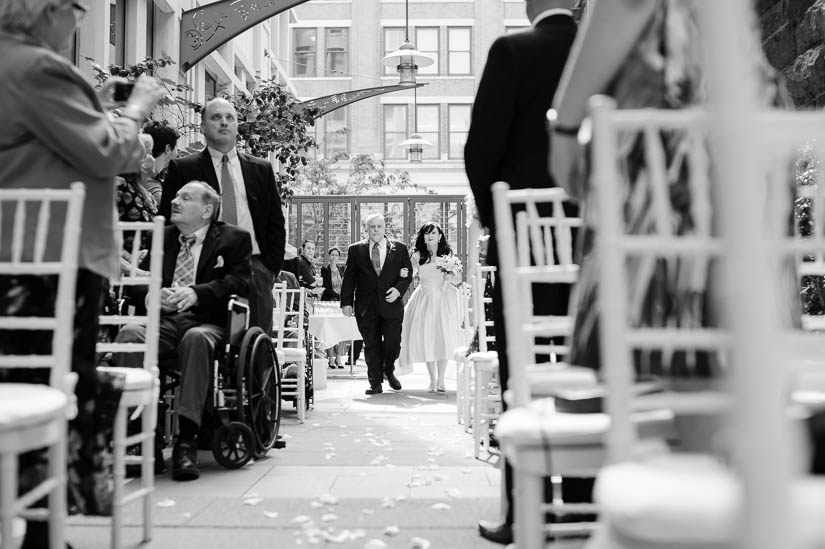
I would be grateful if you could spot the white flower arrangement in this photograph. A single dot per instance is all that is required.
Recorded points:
(450, 265)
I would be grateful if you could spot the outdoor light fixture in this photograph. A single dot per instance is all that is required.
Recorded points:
(415, 142)
(406, 59)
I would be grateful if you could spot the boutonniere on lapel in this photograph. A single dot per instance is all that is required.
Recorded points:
(219, 262)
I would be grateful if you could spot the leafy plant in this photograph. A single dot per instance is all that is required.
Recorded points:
(366, 176)
(174, 107)
(271, 120)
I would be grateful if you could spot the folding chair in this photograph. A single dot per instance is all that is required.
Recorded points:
(36, 416)
(289, 339)
(142, 386)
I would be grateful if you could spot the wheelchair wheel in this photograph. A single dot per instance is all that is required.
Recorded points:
(262, 384)
(233, 445)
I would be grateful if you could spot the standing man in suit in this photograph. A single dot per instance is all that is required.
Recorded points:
(252, 201)
(376, 275)
(205, 261)
(507, 141)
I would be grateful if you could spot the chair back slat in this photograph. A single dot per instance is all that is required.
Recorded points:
(43, 219)
(479, 280)
(288, 317)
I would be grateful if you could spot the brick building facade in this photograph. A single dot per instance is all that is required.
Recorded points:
(793, 37)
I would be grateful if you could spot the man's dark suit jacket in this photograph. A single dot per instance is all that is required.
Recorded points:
(365, 290)
(262, 194)
(507, 140)
(223, 268)
(304, 271)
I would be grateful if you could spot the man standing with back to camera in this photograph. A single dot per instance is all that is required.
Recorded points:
(250, 199)
(507, 141)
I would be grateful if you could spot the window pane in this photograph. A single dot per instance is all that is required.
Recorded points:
(337, 44)
(117, 31)
(459, 123)
(427, 127)
(426, 41)
(336, 138)
(393, 37)
(304, 56)
(340, 228)
(458, 60)
(395, 130)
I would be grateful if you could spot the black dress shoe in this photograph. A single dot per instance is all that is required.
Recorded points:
(374, 391)
(395, 385)
(133, 469)
(185, 461)
(497, 532)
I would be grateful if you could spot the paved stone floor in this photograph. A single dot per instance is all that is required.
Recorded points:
(390, 470)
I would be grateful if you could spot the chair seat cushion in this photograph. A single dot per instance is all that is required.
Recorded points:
(136, 379)
(292, 354)
(546, 379)
(691, 500)
(539, 424)
(26, 405)
(486, 356)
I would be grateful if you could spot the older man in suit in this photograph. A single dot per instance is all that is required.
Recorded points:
(376, 275)
(205, 261)
(250, 199)
(507, 141)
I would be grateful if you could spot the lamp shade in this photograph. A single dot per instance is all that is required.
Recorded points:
(415, 145)
(407, 59)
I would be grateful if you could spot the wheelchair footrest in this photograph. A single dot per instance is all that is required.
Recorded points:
(280, 443)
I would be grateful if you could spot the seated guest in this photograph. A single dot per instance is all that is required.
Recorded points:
(165, 140)
(332, 275)
(205, 262)
(304, 269)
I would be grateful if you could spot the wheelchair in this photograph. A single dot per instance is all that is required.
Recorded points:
(245, 395)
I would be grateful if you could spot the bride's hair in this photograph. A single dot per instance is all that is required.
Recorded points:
(421, 247)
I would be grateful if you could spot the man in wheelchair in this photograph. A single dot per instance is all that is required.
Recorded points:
(205, 262)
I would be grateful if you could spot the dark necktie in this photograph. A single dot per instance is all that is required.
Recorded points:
(229, 209)
(376, 259)
(185, 265)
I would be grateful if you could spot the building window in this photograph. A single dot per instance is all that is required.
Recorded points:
(337, 46)
(117, 32)
(150, 28)
(336, 132)
(458, 46)
(395, 131)
(459, 125)
(304, 57)
(393, 37)
(426, 123)
(426, 41)
(210, 85)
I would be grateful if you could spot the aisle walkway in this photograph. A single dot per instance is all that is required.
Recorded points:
(395, 467)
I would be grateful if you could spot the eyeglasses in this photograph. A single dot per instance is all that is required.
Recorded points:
(80, 10)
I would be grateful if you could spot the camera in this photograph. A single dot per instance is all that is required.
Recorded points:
(123, 90)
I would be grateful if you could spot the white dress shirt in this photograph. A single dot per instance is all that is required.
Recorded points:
(244, 217)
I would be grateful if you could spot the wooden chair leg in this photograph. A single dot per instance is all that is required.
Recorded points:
(528, 528)
(57, 496)
(8, 493)
(119, 474)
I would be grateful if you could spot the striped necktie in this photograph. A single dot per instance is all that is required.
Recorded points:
(185, 264)
(229, 208)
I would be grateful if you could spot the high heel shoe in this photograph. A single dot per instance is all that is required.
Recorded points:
(441, 390)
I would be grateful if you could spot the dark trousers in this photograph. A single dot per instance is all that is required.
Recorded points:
(382, 344)
(547, 299)
(260, 295)
(195, 343)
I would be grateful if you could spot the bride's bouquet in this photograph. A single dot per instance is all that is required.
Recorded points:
(449, 265)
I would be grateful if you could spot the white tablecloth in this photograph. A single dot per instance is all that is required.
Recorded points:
(332, 329)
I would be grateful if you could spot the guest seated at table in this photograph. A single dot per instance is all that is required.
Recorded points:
(193, 305)
(332, 275)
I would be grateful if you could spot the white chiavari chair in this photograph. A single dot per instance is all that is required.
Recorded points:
(538, 441)
(289, 339)
(762, 488)
(36, 416)
(142, 386)
(462, 361)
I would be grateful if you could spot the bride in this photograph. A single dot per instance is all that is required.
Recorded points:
(431, 329)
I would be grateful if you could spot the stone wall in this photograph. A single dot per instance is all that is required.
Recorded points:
(793, 34)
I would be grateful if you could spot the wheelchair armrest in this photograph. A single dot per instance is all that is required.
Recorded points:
(237, 320)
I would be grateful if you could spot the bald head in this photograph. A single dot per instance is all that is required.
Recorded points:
(535, 7)
(219, 124)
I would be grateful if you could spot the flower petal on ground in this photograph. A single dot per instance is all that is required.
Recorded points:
(253, 501)
(375, 544)
(440, 506)
(392, 530)
(419, 543)
(271, 514)
(166, 503)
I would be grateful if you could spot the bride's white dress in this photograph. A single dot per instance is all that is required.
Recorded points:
(432, 320)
